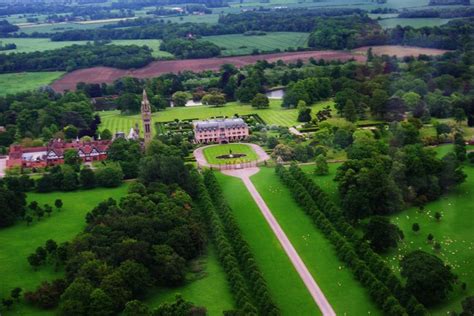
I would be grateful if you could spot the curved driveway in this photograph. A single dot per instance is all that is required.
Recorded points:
(311, 285)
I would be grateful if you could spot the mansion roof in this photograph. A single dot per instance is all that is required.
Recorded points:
(216, 124)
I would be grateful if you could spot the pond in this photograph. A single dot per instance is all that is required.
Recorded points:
(275, 94)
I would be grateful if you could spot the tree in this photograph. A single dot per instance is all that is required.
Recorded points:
(321, 166)
(48, 209)
(459, 115)
(180, 98)
(58, 203)
(136, 308)
(304, 112)
(169, 265)
(106, 134)
(214, 98)
(101, 304)
(272, 142)
(350, 112)
(437, 246)
(285, 152)
(430, 238)
(71, 132)
(382, 234)
(415, 227)
(70, 181)
(7, 302)
(260, 101)
(437, 216)
(468, 306)
(87, 178)
(427, 277)
(71, 158)
(34, 260)
(109, 176)
(15, 293)
(28, 220)
(460, 147)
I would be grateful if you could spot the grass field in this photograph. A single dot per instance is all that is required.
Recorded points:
(24, 81)
(211, 154)
(275, 114)
(27, 45)
(346, 295)
(416, 22)
(18, 241)
(238, 44)
(284, 284)
(454, 232)
(211, 290)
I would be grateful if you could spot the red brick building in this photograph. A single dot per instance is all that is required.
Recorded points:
(53, 153)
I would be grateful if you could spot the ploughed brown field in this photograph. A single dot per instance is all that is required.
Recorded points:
(154, 69)
(400, 51)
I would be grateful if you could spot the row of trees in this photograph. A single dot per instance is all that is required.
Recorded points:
(190, 48)
(257, 285)
(369, 268)
(13, 204)
(225, 251)
(77, 56)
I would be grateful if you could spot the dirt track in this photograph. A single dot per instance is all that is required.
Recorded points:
(109, 75)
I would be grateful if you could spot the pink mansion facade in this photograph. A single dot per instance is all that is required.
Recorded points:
(220, 130)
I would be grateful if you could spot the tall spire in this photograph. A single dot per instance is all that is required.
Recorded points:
(146, 118)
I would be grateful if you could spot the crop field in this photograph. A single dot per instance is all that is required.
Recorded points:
(154, 69)
(453, 232)
(346, 295)
(284, 284)
(275, 114)
(238, 44)
(415, 22)
(211, 153)
(27, 45)
(24, 81)
(58, 27)
(19, 241)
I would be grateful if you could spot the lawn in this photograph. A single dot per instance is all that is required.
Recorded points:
(415, 22)
(274, 115)
(239, 44)
(284, 284)
(346, 295)
(211, 154)
(28, 45)
(454, 232)
(210, 290)
(24, 81)
(20, 240)
(326, 182)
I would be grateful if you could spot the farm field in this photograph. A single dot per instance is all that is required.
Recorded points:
(19, 241)
(239, 44)
(415, 22)
(346, 295)
(284, 284)
(211, 153)
(453, 231)
(58, 27)
(275, 114)
(28, 45)
(154, 69)
(24, 81)
(399, 51)
(209, 288)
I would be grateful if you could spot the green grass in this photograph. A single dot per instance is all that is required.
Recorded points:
(346, 295)
(28, 45)
(284, 284)
(454, 232)
(415, 22)
(211, 154)
(326, 182)
(239, 44)
(275, 114)
(24, 81)
(211, 290)
(20, 240)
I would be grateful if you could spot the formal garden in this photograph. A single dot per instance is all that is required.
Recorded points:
(229, 154)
